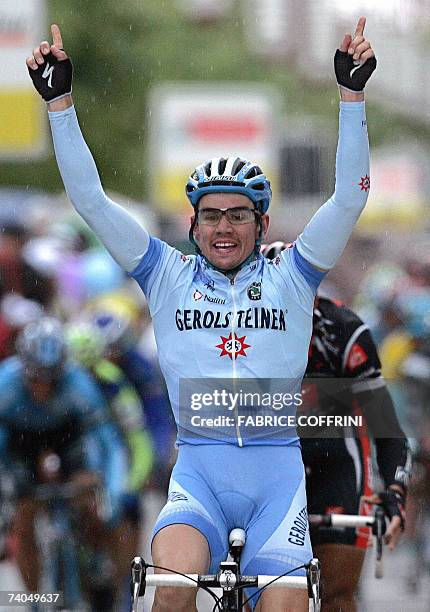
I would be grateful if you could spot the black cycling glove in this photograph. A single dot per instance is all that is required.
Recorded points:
(351, 75)
(53, 79)
(393, 504)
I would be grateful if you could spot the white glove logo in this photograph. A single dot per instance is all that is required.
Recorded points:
(47, 74)
(354, 69)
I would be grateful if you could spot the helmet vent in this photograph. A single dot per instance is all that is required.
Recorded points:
(238, 166)
(259, 186)
(254, 171)
(222, 165)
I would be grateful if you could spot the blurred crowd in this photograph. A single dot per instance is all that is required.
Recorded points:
(71, 320)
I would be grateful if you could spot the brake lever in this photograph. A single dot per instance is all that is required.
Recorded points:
(378, 529)
(314, 576)
(138, 581)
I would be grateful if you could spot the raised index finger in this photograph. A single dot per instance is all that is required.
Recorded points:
(57, 41)
(360, 26)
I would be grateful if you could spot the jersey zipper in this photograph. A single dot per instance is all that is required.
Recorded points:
(233, 352)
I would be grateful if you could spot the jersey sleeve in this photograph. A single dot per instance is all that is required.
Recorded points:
(361, 361)
(122, 235)
(298, 272)
(392, 448)
(325, 236)
(312, 276)
(161, 269)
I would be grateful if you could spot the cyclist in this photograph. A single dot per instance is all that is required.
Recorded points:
(48, 403)
(86, 346)
(338, 467)
(219, 314)
(115, 316)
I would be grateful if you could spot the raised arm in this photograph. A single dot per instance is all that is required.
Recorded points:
(51, 71)
(325, 236)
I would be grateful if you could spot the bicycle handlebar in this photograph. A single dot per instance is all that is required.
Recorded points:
(341, 520)
(376, 522)
(226, 579)
(213, 580)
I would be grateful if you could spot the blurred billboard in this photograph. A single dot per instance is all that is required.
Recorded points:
(22, 125)
(194, 122)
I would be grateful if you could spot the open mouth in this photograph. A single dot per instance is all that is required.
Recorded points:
(225, 246)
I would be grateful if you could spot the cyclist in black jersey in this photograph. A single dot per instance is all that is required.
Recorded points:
(338, 464)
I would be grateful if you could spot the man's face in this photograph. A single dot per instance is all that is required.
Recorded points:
(226, 245)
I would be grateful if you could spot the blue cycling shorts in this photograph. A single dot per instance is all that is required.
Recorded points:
(260, 489)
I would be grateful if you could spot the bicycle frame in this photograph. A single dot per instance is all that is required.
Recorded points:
(60, 569)
(58, 545)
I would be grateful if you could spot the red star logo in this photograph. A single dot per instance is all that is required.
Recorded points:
(365, 183)
(227, 347)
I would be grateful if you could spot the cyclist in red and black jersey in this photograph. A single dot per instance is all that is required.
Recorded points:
(343, 376)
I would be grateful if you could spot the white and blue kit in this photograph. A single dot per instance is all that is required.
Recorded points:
(257, 326)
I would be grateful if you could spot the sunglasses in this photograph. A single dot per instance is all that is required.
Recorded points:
(236, 216)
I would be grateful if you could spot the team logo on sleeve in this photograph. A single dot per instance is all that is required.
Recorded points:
(233, 346)
(254, 291)
(365, 183)
(357, 356)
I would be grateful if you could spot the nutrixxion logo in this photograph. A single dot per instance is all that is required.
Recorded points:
(233, 346)
(365, 183)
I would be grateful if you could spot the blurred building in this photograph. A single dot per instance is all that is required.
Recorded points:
(307, 31)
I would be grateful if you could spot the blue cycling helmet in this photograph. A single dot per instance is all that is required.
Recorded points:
(42, 349)
(232, 175)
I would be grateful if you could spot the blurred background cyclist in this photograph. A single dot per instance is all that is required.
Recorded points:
(49, 404)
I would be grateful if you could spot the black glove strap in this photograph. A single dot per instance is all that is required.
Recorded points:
(351, 75)
(53, 79)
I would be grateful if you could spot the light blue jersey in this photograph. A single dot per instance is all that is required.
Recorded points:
(257, 326)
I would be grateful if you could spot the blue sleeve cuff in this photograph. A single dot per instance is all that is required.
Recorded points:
(308, 271)
(145, 267)
(64, 113)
